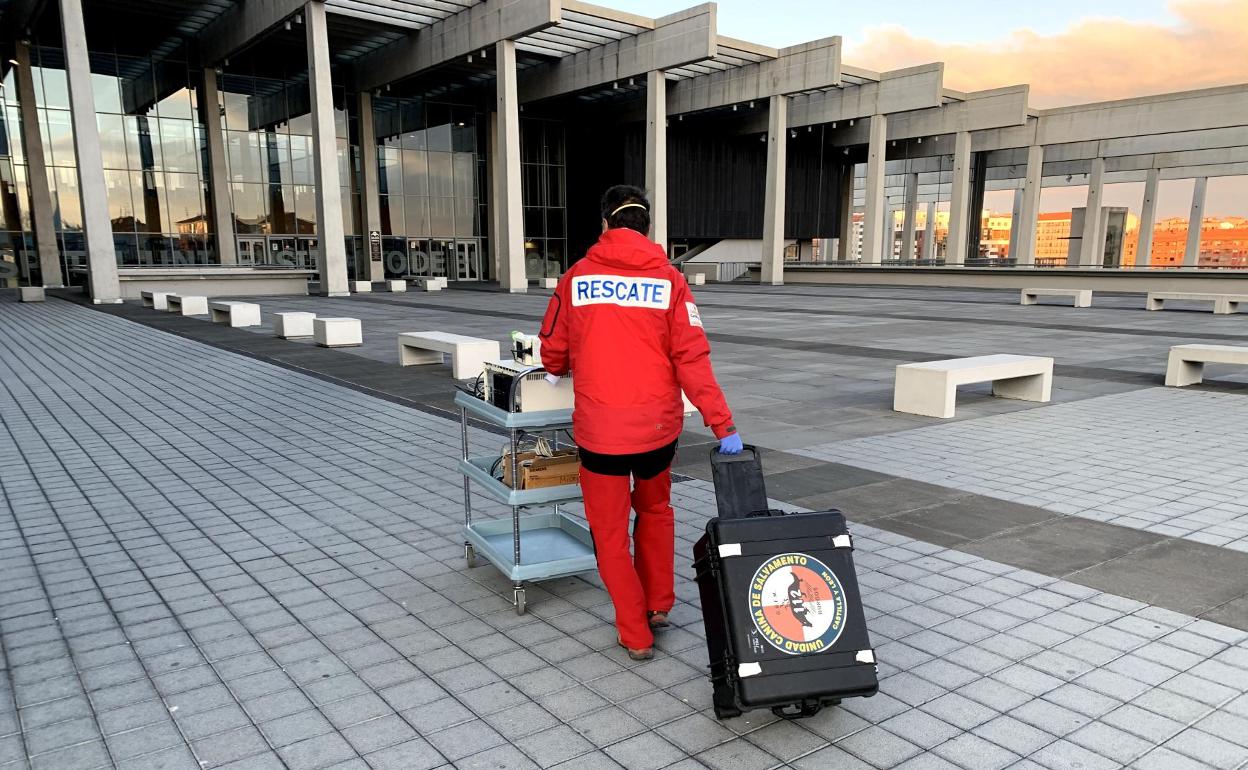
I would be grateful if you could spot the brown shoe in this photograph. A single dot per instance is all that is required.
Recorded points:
(642, 654)
(658, 619)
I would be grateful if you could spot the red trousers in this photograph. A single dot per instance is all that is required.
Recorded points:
(645, 579)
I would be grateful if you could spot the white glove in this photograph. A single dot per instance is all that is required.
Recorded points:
(553, 379)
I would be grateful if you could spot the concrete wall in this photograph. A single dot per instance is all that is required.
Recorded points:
(1224, 282)
(215, 282)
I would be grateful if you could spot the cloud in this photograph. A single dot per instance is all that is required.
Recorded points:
(1094, 60)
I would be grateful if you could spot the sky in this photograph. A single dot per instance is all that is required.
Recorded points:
(1070, 51)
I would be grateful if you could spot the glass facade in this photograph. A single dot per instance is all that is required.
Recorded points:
(430, 156)
(266, 126)
(542, 152)
(431, 185)
(18, 260)
(152, 144)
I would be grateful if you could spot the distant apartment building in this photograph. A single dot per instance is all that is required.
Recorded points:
(1052, 238)
(1223, 242)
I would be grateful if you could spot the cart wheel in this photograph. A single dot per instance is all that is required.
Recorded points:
(518, 596)
(470, 555)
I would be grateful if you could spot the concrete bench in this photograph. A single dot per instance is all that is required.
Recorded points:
(186, 305)
(1223, 304)
(1082, 297)
(155, 299)
(1187, 362)
(234, 314)
(361, 287)
(397, 286)
(929, 388)
(697, 279)
(429, 284)
(292, 325)
(468, 354)
(337, 332)
(30, 294)
(548, 283)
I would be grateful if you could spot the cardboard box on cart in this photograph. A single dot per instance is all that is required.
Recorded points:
(538, 472)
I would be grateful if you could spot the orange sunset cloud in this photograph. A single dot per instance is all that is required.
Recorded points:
(1094, 60)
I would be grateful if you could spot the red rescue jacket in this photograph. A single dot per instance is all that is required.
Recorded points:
(623, 322)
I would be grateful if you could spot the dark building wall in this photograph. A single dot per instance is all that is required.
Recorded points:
(599, 155)
(716, 182)
(717, 186)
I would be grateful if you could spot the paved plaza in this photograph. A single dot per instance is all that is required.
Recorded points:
(219, 549)
(1160, 459)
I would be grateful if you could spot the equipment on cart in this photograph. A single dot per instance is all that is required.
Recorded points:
(526, 348)
(540, 465)
(516, 387)
(785, 628)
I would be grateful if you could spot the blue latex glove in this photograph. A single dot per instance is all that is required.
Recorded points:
(731, 444)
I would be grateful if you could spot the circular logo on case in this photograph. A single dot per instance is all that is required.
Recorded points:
(797, 603)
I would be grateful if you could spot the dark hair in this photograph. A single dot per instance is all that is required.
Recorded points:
(633, 217)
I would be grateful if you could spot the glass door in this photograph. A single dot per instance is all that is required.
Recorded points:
(251, 250)
(440, 254)
(282, 251)
(418, 257)
(306, 253)
(467, 261)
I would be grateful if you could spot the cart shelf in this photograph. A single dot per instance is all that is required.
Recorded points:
(553, 545)
(553, 420)
(478, 469)
(535, 545)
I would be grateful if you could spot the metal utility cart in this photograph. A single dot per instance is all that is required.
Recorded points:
(534, 545)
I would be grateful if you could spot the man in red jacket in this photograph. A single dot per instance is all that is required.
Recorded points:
(624, 323)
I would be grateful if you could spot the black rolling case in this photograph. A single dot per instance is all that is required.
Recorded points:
(784, 623)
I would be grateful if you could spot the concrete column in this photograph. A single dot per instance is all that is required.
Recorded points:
(1016, 213)
(1092, 245)
(37, 173)
(98, 230)
(929, 234)
(1029, 207)
(1148, 218)
(496, 170)
(909, 217)
(844, 243)
(370, 198)
(656, 154)
(218, 172)
(773, 206)
(1191, 255)
(959, 200)
(876, 204)
(507, 192)
(331, 258)
(888, 230)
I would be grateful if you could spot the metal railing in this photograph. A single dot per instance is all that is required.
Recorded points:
(733, 271)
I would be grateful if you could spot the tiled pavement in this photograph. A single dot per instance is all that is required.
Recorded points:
(807, 365)
(1161, 459)
(209, 561)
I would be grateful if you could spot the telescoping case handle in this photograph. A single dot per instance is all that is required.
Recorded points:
(749, 453)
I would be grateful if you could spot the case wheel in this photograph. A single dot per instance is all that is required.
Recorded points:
(470, 555)
(801, 710)
(725, 703)
(518, 599)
